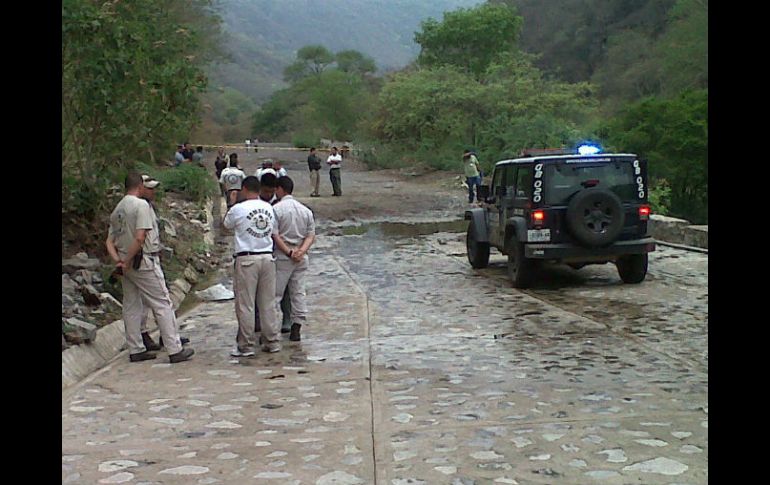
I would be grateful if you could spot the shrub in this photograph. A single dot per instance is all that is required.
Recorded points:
(192, 181)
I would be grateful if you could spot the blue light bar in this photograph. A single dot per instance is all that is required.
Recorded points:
(588, 149)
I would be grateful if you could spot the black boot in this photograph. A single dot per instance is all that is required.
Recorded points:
(149, 343)
(141, 356)
(294, 335)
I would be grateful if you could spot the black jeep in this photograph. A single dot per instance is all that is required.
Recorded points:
(573, 209)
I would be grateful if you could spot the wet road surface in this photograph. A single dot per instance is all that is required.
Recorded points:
(415, 368)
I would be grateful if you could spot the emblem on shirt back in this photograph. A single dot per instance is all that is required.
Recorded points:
(232, 178)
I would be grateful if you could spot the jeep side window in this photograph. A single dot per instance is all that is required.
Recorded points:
(510, 181)
(524, 183)
(497, 183)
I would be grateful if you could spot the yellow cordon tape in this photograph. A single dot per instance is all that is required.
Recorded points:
(263, 147)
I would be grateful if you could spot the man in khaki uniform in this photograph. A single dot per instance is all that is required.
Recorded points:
(296, 231)
(254, 226)
(149, 185)
(131, 233)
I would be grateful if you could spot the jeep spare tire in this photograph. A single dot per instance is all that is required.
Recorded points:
(595, 217)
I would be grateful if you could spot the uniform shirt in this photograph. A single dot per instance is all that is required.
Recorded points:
(198, 158)
(295, 222)
(179, 158)
(232, 177)
(254, 223)
(154, 234)
(131, 214)
(334, 160)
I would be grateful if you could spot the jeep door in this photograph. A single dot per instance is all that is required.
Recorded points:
(495, 210)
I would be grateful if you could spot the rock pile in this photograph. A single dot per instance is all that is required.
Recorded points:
(85, 303)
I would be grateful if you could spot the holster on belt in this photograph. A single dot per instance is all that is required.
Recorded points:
(137, 261)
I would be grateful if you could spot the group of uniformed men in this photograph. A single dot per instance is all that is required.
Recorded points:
(272, 235)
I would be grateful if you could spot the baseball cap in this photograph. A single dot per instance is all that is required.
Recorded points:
(149, 182)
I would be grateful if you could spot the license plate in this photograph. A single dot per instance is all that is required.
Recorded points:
(538, 235)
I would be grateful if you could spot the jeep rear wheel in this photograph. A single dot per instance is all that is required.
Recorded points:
(595, 217)
(520, 268)
(632, 268)
(478, 252)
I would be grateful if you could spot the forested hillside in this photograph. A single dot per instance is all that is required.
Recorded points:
(262, 37)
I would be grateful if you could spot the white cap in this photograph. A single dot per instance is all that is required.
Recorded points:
(149, 182)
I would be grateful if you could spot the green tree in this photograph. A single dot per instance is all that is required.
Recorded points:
(673, 135)
(470, 39)
(354, 62)
(131, 84)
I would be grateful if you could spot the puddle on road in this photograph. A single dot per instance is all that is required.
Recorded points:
(403, 229)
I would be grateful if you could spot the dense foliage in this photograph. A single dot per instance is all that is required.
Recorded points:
(132, 76)
(673, 135)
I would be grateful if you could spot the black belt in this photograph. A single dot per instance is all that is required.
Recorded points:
(155, 254)
(250, 253)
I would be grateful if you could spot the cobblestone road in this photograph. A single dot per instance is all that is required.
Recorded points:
(415, 368)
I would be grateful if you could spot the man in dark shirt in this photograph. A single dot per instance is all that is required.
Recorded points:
(314, 165)
(220, 164)
(188, 152)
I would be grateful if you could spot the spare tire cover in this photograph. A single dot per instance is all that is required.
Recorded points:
(595, 217)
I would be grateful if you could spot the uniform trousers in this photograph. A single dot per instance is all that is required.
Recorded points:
(292, 275)
(254, 279)
(315, 178)
(147, 286)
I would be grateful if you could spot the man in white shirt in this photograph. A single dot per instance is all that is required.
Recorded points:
(254, 224)
(296, 230)
(335, 162)
(232, 178)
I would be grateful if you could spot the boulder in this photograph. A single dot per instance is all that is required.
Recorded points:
(77, 331)
(190, 275)
(90, 295)
(78, 262)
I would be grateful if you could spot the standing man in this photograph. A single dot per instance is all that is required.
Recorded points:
(248, 144)
(149, 185)
(335, 162)
(296, 233)
(268, 180)
(220, 164)
(472, 174)
(254, 224)
(135, 246)
(232, 178)
(314, 165)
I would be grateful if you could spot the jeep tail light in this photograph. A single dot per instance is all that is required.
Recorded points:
(644, 212)
(538, 217)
